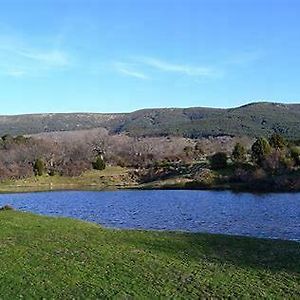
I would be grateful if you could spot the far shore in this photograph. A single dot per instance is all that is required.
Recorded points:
(15, 189)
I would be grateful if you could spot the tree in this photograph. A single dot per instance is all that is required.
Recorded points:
(239, 153)
(277, 141)
(39, 167)
(218, 161)
(99, 164)
(295, 155)
(260, 150)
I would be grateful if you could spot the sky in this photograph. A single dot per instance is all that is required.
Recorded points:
(124, 55)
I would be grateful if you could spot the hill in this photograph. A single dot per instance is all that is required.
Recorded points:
(255, 119)
(38, 123)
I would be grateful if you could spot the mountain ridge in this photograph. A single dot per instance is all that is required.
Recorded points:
(252, 119)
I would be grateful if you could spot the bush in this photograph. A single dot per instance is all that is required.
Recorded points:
(205, 177)
(53, 172)
(277, 162)
(39, 167)
(295, 155)
(239, 153)
(74, 168)
(7, 138)
(218, 161)
(277, 141)
(99, 164)
(260, 150)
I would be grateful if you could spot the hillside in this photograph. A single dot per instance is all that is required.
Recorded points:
(37, 123)
(255, 119)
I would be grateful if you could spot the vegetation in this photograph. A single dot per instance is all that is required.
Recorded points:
(295, 155)
(260, 150)
(99, 164)
(39, 167)
(110, 178)
(62, 160)
(239, 153)
(277, 141)
(218, 161)
(261, 167)
(61, 258)
(255, 119)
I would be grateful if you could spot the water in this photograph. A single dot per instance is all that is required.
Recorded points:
(267, 215)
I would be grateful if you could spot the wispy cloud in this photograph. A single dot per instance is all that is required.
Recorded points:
(129, 70)
(189, 70)
(19, 58)
(144, 67)
(50, 58)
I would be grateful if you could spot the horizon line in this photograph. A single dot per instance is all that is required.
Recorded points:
(150, 108)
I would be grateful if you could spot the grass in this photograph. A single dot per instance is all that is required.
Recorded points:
(111, 177)
(59, 258)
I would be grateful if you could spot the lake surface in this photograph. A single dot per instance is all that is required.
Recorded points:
(266, 215)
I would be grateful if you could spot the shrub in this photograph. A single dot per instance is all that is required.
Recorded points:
(99, 164)
(277, 141)
(39, 167)
(218, 161)
(7, 137)
(74, 168)
(205, 177)
(295, 155)
(239, 153)
(260, 150)
(53, 172)
(277, 162)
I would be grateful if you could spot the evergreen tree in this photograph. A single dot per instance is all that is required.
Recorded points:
(260, 150)
(39, 167)
(239, 153)
(99, 163)
(218, 161)
(295, 155)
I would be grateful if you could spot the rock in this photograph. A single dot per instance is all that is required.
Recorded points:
(6, 207)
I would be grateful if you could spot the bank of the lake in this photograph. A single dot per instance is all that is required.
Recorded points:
(43, 257)
(111, 178)
(114, 177)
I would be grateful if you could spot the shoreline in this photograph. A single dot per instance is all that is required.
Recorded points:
(11, 189)
(118, 178)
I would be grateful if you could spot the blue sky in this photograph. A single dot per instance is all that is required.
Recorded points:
(122, 55)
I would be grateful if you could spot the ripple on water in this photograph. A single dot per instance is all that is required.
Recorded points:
(268, 215)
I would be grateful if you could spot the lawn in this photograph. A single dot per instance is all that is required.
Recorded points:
(60, 258)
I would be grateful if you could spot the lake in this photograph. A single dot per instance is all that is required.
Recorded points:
(265, 215)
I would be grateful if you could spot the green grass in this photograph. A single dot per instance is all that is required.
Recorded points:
(44, 257)
(111, 177)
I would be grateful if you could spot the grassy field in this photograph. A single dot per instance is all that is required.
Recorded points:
(111, 177)
(44, 257)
